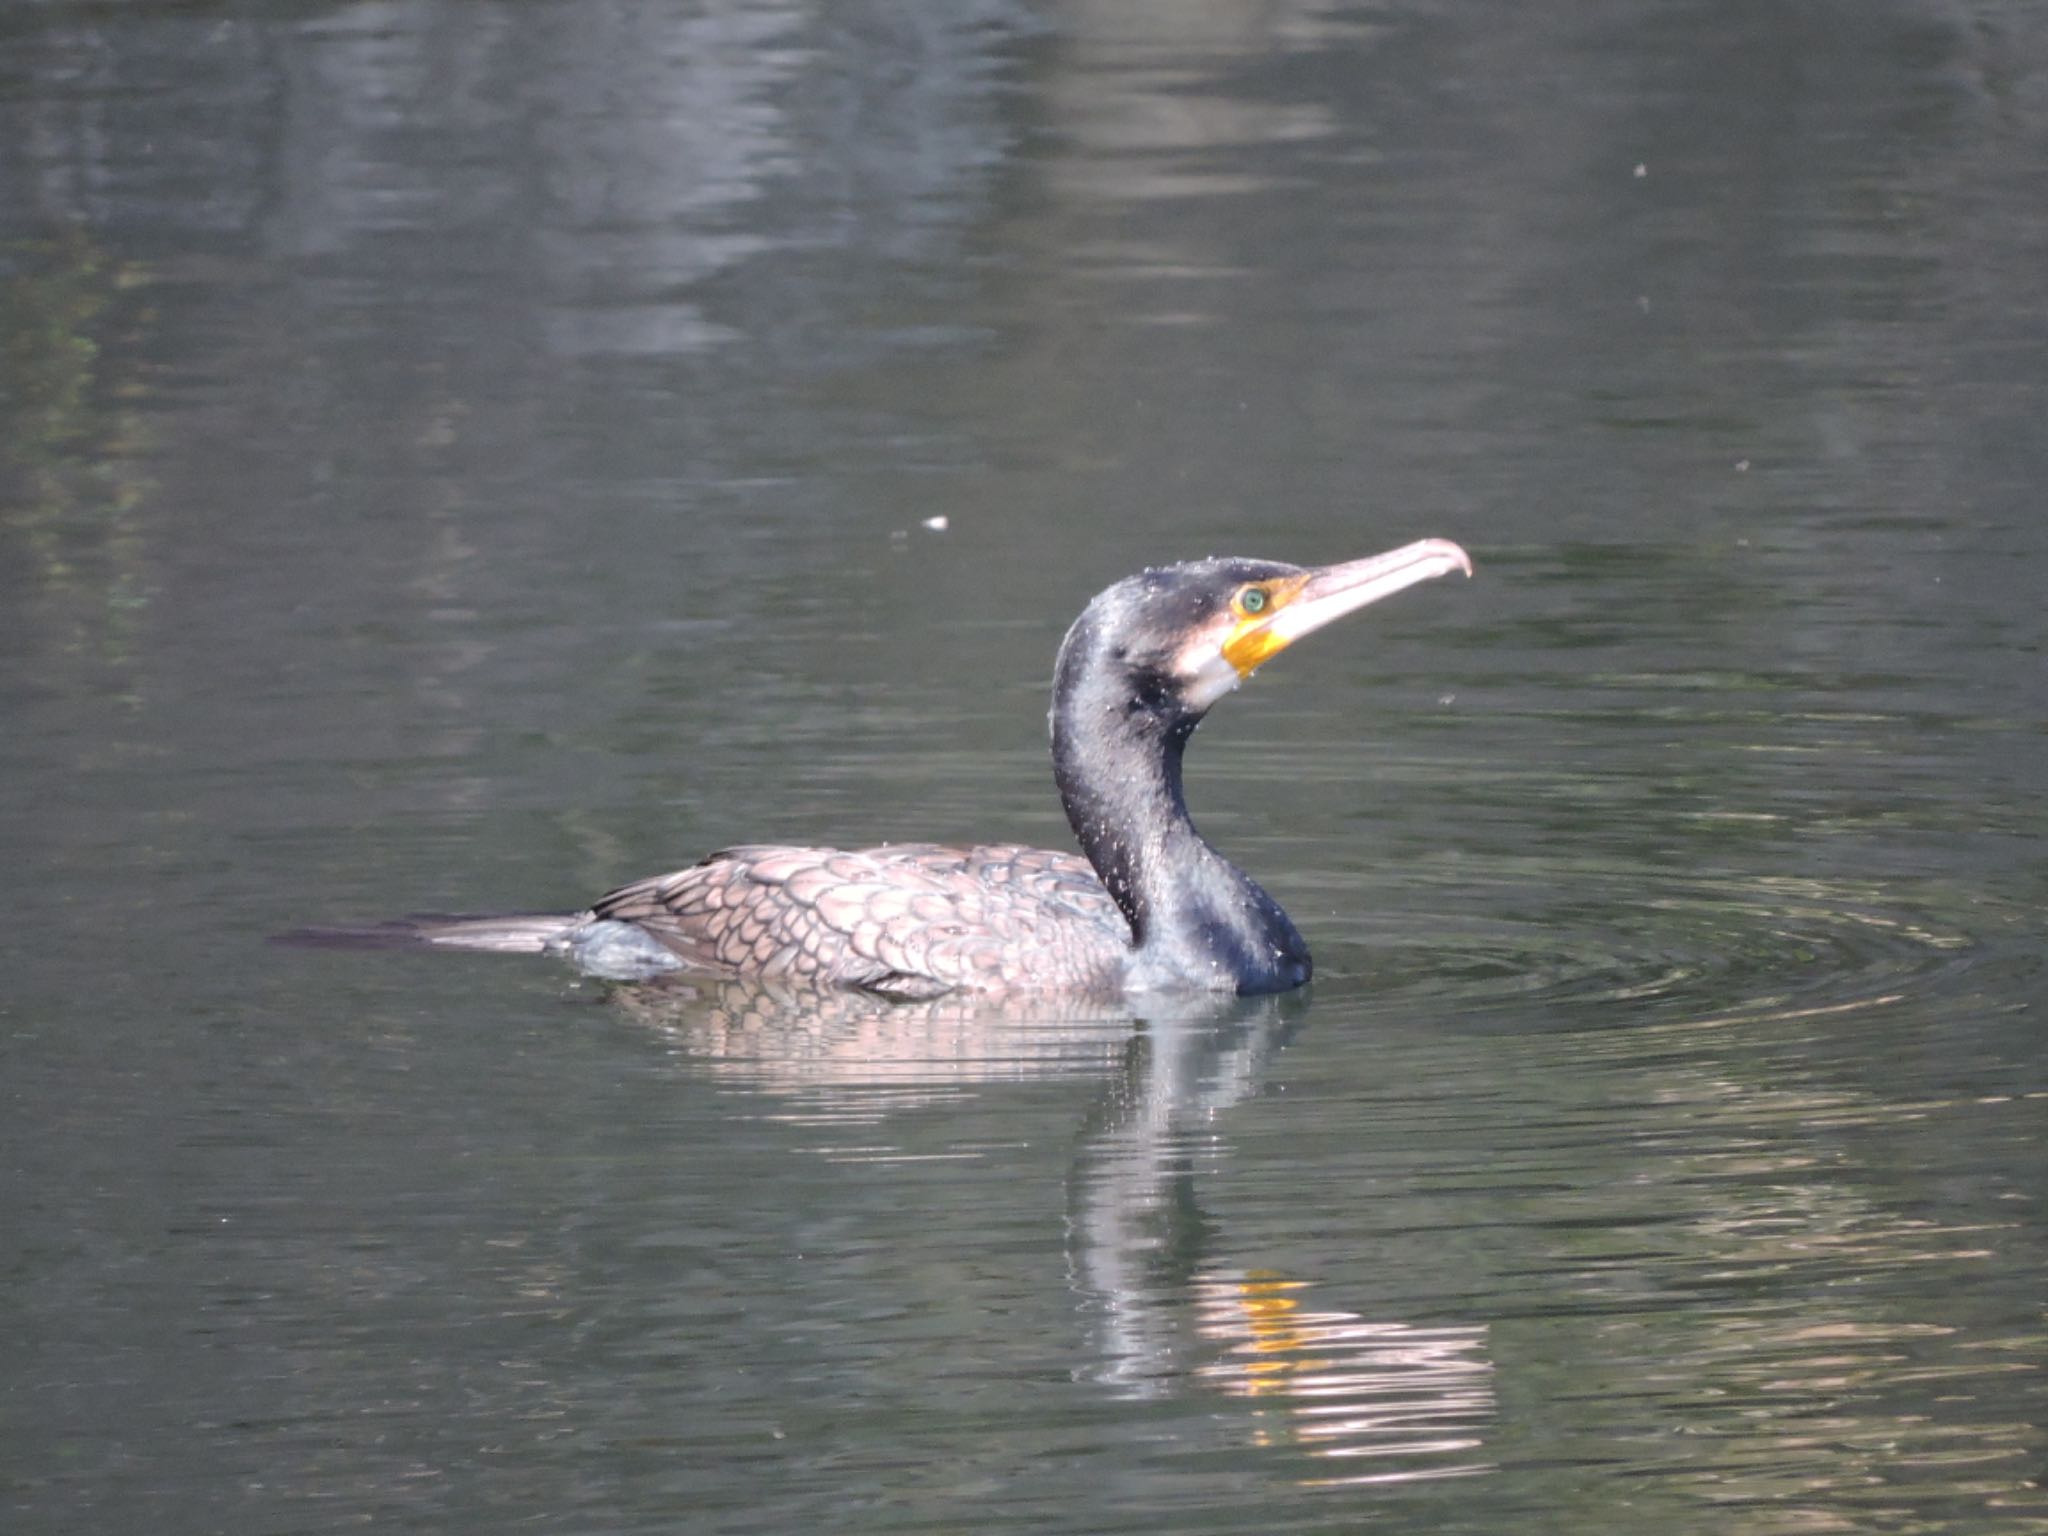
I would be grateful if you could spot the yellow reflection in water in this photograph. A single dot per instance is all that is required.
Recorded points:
(1343, 1387)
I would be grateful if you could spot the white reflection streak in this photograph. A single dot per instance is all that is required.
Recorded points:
(1352, 1388)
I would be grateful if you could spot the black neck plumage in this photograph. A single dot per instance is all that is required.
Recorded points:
(1197, 920)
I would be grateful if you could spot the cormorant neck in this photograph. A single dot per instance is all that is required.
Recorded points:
(1196, 919)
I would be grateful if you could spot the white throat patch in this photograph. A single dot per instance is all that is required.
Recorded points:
(1208, 672)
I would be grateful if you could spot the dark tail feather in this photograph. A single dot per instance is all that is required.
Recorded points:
(519, 934)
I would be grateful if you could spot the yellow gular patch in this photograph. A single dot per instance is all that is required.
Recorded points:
(1252, 640)
(1250, 645)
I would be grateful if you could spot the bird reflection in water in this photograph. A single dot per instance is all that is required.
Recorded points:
(841, 1057)
(1170, 1308)
(1348, 1388)
(1171, 1303)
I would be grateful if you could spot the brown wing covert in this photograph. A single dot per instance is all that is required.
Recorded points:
(912, 920)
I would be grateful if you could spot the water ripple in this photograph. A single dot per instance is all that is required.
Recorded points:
(1739, 948)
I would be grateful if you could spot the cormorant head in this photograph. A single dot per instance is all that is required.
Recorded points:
(1166, 644)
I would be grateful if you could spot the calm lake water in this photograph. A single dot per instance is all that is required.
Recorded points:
(462, 456)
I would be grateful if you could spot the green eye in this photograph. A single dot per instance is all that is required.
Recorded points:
(1252, 600)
